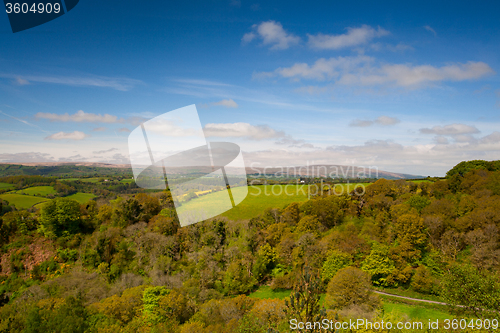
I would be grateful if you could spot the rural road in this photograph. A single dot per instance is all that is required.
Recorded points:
(408, 298)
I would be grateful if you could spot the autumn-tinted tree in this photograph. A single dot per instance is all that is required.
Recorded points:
(350, 286)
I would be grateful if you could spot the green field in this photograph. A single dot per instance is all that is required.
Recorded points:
(127, 181)
(416, 311)
(258, 199)
(38, 190)
(22, 201)
(265, 292)
(81, 197)
(6, 186)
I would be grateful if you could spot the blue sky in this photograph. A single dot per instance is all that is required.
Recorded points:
(410, 88)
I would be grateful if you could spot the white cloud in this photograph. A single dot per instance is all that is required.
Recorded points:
(248, 37)
(361, 71)
(229, 103)
(272, 33)
(26, 157)
(441, 140)
(401, 47)
(449, 130)
(244, 130)
(122, 84)
(124, 130)
(76, 135)
(428, 28)
(386, 121)
(414, 76)
(353, 37)
(382, 120)
(105, 151)
(79, 117)
(99, 129)
(323, 68)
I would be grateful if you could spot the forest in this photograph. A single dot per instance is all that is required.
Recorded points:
(122, 263)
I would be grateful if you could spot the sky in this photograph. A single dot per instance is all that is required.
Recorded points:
(405, 87)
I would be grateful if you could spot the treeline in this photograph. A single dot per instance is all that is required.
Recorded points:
(63, 170)
(126, 265)
(22, 181)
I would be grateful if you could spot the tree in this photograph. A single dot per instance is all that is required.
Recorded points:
(422, 280)
(350, 286)
(58, 216)
(303, 303)
(466, 289)
(378, 264)
(335, 261)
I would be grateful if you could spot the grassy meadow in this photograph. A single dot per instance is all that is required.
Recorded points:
(258, 199)
(22, 201)
(81, 197)
(6, 186)
(38, 191)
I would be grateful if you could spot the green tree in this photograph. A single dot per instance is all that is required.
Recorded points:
(378, 264)
(335, 261)
(467, 289)
(58, 216)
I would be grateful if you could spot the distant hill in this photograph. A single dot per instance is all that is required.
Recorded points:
(66, 169)
(84, 169)
(333, 171)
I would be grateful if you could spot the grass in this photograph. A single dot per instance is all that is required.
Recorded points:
(81, 197)
(414, 311)
(38, 190)
(127, 181)
(266, 292)
(22, 201)
(258, 199)
(6, 186)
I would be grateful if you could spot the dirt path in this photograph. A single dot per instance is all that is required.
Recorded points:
(409, 298)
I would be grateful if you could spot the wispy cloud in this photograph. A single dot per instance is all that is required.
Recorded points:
(428, 28)
(122, 84)
(271, 33)
(105, 151)
(23, 121)
(99, 129)
(80, 117)
(453, 129)
(382, 120)
(353, 37)
(76, 136)
(242, 130)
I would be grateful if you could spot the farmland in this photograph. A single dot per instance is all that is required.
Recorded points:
(81, 197)
(258, 199)
(37, 191)
(6, 186)
(22, 201)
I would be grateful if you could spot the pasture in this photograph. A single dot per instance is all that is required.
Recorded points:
(81, 197)
(6, 186)
(22, 201)
(38, 191)
(258, 199)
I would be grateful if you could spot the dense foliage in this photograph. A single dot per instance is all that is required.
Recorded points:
(126, 265)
